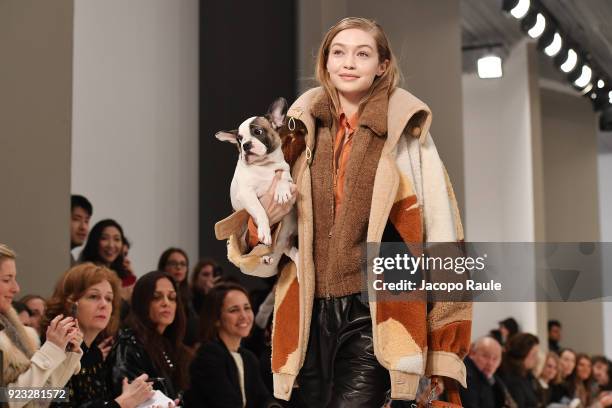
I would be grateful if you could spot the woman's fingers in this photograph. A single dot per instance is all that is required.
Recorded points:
(55, 321)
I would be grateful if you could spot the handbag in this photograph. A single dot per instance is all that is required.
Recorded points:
(452, 394)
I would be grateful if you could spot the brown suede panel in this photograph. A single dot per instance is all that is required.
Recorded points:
(454, 338)
(412, 315)
(287, 327)
(407, 222)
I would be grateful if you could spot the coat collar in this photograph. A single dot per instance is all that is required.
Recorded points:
(372, 116)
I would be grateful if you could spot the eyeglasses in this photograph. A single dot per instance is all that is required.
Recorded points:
(176, 264)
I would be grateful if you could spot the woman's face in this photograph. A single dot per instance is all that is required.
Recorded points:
(176, 265)
(600, 373)
(352, 62)
(37, 306)
(110, 245)
(205, 279)
(95, 307)
(8, 285)
(550, 370)
(163, 307)
(532, 358)
(236, 315)
(583, 369)
(568, 362)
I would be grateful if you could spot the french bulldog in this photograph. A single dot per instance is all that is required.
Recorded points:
(261, 141)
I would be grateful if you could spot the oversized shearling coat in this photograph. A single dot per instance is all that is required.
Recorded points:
(413, 193)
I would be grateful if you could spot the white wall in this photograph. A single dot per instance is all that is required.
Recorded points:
(605, 217)
(499, 171)
(135, 120)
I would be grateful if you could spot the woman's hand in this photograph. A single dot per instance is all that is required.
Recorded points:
(136, 392)
(126, 292)
(61, 331)
(274, 210)
(105, 346)
(75, 338)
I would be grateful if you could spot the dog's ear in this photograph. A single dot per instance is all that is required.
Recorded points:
(228, 136)
(277, 112)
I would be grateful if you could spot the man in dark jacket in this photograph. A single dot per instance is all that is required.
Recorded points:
(484, 388)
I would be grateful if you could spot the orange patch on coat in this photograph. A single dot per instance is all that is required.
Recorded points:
(407, 222)
(410, 314)
(454, 337)
(286, 327)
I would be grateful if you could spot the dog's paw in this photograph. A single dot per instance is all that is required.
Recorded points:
(282, 194)
(264, 235)
(267, 260)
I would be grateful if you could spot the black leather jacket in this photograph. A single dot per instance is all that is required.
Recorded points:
(128, 358)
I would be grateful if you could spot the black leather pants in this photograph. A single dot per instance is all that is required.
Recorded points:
(340, 369)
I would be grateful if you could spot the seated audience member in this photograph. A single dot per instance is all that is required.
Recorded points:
(23, 313)
(548, 379)
(203, 278)
(508, 328)
(223, 374)
(519, 359)
(37, 305)
(579, 382)
(92, 291)
(152, 341)
(563, 392)
(80, 214)
(105, 247)
(601, 375)
(175, 262)
(484, 388)
(554, 335)
(24, 363)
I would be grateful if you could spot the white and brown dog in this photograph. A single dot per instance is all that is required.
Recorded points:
(261, 141)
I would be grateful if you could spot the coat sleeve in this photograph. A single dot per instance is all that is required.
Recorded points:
(449, 322)
(249, 261)
(49, 366)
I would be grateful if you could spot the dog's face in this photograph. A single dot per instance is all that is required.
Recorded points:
(258, 136)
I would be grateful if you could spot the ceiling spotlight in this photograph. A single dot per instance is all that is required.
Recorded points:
(555, 46)
(585, 77)
(610, 96)
(490, 66)
(521, 9)
(570, 62)
(538, 27)
(600, 84)
(593, 95)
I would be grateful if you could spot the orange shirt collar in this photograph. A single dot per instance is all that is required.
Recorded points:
(351, 123)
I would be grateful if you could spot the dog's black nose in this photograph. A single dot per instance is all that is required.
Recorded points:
(247, 146)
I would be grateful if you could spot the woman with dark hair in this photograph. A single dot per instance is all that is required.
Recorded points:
(580, 379)
(152, 342)
(202, 280)
(563, 391)
(105, 247)
(37, 305)
(91, 293)
(175, 262)
(224, 374)
(518, 361)
(508, 328)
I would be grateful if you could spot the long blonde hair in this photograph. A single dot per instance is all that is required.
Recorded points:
(383, 47)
